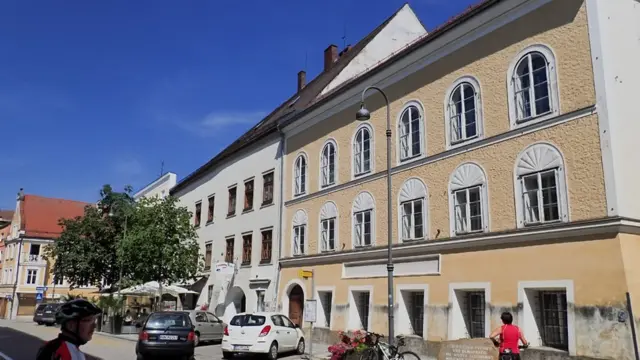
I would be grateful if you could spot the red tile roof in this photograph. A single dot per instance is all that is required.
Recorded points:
(40, 215)
(6, 215)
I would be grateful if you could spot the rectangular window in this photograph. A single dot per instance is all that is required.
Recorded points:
(267, 238)
(210, 207)
(326, 298)
(362, 229)
(198, 214)
(267, 188)
(31, 277)
(540, 197)
(553, 308)
(34, 252)
(232, 201)
(207, 256)
(248, 195)
(210, 293)
(299, 239)
(468, 210)
(476, 313)
(362, 305)
(228, 256)
(260, 300)
(328, 233)
(416, 311)
(412, 220)
(246, 249)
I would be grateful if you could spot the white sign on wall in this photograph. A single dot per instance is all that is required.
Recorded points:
(310, 310)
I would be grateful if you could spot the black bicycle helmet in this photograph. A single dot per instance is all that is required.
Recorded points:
(75, 310)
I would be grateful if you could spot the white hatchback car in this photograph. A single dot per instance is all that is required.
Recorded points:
(261, 333)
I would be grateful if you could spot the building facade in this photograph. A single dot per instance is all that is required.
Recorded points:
(510, 184)
(5, 228)
(159, 187)
(25, 270)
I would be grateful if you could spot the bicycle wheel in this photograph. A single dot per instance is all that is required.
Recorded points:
(407, 355)
(369, 354)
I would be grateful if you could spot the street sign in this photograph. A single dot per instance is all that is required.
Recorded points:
(41, 288)
(39, 296)
(305, 273)
(310, 310)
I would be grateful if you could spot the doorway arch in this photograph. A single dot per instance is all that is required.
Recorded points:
(296, 304)
(236, 302)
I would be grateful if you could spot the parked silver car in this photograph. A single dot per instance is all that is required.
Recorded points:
(208, 327)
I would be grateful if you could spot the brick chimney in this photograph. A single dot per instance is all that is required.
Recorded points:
(302, 79)
(330, 56)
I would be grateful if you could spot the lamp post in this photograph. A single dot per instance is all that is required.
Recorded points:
(364, 115)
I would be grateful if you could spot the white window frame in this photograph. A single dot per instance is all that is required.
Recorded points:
(552, 78)
(475, 84)
(26, 276)
(414, 189)
(403, 319)
(353, 318)
(411, 216)
(298, 174)
(300, 221)
(526, 316)
(355, 172)
(540, 157)
(465, 176)
(328, 213)
(363, 202)
(422, 132)
(320, 310)
(457, 325)
(324, 181)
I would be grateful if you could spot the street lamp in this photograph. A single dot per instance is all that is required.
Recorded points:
(364, 115)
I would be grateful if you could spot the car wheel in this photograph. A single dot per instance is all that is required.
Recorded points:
(300, 348)
(40, 323)
(227, 355)
(196, 341)
(273, 351)
(140, 357)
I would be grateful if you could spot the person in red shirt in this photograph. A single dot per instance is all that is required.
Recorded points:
(508, 336)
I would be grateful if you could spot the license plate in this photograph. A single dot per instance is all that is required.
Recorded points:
(168, 337)
(241, 347)
(47, 312)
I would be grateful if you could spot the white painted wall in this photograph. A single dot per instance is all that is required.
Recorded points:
(159, 187)
(614, 29)
(403, 29)
(253, 162)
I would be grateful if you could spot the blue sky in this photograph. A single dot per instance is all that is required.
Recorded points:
(95, 92)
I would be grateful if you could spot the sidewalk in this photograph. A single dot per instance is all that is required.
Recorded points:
(320, 352)
(127, 337)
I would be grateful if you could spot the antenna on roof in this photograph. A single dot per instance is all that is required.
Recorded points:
(162, 168)
(344, 34)
(306, 59)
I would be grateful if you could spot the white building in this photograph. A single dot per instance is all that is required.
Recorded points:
(235, 197)
(159, 187)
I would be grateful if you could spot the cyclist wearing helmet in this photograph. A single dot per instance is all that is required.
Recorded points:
(77, 319)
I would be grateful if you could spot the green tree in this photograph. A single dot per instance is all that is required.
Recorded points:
(161, 244)
(86, 251)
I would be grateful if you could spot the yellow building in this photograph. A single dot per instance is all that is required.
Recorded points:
(25, 272)
(512, 183)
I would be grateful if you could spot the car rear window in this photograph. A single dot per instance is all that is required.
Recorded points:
(164, 320)
(52, 307)
(41, 307)
(248, 320)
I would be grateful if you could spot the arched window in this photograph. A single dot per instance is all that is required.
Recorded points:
(410, 132)
(328, 164)
(362, 148)
(299, 233)
(463, 109)
(533, 90)
(328, 224)
(541, 192)
(300, 175)
(468, 200)
(363, 220)
(413, 210)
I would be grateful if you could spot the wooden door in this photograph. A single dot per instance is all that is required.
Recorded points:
(296, 305)
(27, 304)
(3, 308)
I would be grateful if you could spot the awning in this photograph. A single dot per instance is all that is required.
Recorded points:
(153, 288)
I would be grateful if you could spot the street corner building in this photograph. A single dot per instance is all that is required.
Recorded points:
(513, 184)
(27, 277)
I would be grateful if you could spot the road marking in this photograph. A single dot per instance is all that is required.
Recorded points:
(4, 356)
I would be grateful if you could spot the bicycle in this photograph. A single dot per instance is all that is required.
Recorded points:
(508, 355)
(388, 351)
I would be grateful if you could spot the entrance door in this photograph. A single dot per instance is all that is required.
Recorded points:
(3, 307)
(27, 304)
(296, 305)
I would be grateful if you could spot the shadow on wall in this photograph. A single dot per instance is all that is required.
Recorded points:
(23, 345)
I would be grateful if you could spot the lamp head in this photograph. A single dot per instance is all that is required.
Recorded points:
(363, 114)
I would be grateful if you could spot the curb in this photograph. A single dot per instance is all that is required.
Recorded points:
(115, 336)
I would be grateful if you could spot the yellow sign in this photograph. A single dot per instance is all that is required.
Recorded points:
(305, 273)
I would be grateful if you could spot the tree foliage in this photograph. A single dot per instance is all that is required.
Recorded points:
(161, 243)
(86, 251)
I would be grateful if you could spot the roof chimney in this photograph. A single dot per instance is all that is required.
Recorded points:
(330, 56)
(302, 79)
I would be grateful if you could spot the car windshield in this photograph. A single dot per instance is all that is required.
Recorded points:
(165, 320)
(248, 320)
(41, 307)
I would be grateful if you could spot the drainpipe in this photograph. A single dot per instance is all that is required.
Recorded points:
(280, 214)
(15, 283)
